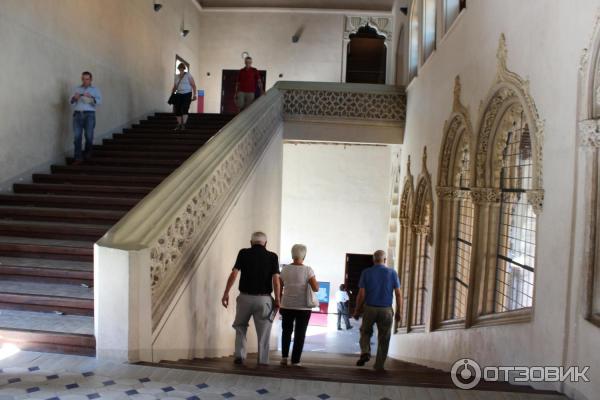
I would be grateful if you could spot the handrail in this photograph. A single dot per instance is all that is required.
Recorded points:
(151, 216)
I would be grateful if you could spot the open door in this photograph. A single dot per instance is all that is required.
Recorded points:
(229, 79)
(355, 264)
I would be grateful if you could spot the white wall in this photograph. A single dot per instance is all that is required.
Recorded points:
(267, 37)
(46, 44)
(336, 200)
(198, 325)
(545, 41)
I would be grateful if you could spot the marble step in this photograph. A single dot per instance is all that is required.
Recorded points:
(29, 213)
(46, 248)
(71, 189)
(104, 169)
(99, 180)
(51, 297)
(44, 270)
(53, 230)
(71, 202)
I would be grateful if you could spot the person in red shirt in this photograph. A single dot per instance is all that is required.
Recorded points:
(245, 87)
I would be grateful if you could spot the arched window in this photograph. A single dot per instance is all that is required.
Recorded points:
(451, 10)
(429, 27)
(422, 240)
(405, 245)
(414, 37)
(509, 193)
(456, 217)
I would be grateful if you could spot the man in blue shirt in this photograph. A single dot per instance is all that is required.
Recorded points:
(377, 286)
(85, 98)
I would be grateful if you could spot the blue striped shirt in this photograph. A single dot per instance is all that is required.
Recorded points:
(85, 103)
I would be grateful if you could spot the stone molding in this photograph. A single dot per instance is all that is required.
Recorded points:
(342, 105)
(589, 133)
(383, 24)
(486, 195)
(508, 97)
(423, 208)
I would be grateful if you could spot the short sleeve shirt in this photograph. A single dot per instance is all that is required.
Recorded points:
(248, 80)
(379, 283)
(185, 86)
(257, 266)
(295, 281)
(341, 296)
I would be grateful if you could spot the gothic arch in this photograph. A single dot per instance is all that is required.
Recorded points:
(405, 243)
(423, 207)
(508, 97)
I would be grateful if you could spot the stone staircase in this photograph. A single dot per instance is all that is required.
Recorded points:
(48, 228)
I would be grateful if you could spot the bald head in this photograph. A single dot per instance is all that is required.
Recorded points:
(379, 257)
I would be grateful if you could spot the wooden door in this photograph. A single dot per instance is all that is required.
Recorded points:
(355, 264)
(229, 79)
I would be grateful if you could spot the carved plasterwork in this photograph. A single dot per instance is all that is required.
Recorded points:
(383, 24)
(178, 240)
(406, 200)
(452, 193)
(423, 209)
(509, 97)
(457, 130)
(590, 75)
(485, 195)
(589, 133)
(387, 107)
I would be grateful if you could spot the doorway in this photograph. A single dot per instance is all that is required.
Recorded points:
(355, 265)
(179, 60)
(367, 55)
(228, 81)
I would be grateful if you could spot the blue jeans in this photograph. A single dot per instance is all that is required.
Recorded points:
(83, 121)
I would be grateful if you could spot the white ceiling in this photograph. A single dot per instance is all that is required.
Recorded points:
(371, 5)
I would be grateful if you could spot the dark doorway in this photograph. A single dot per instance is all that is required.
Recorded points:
(355, 264)
(367, 55)
(230, 76)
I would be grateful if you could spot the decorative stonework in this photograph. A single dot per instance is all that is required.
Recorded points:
(452, 193)
(589, 133)
(384, 25)
(327, 104)
(589, 75)
(423, 209)
(458, 128)
(486, 195)
(179, 238)
(536, 199)
(406, 202)
(509, 98)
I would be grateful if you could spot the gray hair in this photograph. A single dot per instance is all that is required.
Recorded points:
(298, 252)
(258, 238)
(379, 257)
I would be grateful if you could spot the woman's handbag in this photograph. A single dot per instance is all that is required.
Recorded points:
(312, 300)
(173, 95)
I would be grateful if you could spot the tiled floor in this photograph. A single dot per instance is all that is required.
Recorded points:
(28, 375)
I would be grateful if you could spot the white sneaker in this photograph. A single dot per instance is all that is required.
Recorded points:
(297, 365)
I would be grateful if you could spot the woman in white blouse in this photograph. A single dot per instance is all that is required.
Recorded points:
(295, 312)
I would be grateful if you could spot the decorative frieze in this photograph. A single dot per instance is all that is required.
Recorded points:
(452, 193)
(589, 133)
(486, 195)
(383, 24)
(330, 104)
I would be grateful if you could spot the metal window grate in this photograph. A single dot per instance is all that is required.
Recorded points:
(515, 265)
(420, 289)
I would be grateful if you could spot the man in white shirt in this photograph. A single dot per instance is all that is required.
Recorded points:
(342, 298)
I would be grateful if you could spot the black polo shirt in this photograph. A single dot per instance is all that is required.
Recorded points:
(257, 266)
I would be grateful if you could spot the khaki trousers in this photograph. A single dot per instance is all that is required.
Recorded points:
(259, 308)
(244, 99)
(384, 318)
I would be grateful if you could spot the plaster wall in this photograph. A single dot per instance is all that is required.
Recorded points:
(544, 41)
(267, 37)
(46, 45)
(198, 325)
(336, 200)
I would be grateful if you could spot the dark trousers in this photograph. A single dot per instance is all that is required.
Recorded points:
(300, 319)
(343, 311)
(83, 122)
(383, 317)
(182, 103)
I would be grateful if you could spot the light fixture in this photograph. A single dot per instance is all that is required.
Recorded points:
(184, 32)
(157, 6)
(245, 55)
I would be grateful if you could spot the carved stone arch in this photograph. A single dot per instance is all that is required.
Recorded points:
(423, 208)
(406, 200)
(589, 76)
(509, 95)
(457, 130)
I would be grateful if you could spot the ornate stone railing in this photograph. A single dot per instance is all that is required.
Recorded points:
(342, 101)
(144, 261)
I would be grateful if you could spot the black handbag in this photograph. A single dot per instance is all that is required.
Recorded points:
(173, 95)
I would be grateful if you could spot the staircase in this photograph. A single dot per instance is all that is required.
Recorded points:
(48, 229)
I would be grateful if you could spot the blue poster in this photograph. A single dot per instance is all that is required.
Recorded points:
(323, 293)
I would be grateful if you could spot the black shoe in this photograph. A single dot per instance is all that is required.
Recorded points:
(182, 127)
(339, 328)
(349, 327)
(238, 361)
(364, 358)
(177, 128)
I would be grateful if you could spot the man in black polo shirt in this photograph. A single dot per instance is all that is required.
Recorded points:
(259, 275)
